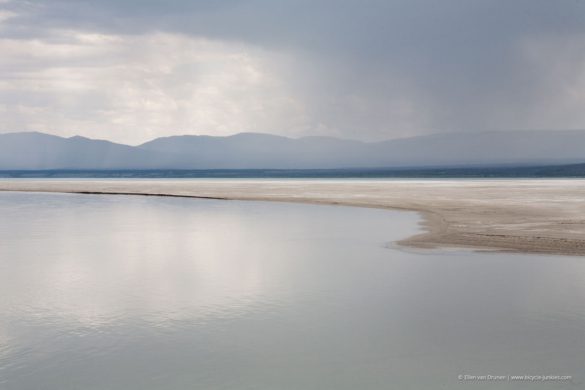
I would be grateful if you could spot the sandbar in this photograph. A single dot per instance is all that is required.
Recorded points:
(527, 215)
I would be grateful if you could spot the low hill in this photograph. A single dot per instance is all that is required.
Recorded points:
(37, 151)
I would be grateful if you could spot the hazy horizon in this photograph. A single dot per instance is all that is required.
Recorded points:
(35, 150)
(293, 137)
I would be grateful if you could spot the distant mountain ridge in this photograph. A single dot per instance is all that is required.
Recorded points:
(38, 151)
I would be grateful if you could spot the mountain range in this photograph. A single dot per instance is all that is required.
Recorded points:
(38, 151)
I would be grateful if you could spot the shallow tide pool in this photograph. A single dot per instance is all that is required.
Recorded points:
(121, 292)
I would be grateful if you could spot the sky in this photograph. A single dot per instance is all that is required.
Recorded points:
(133, 70)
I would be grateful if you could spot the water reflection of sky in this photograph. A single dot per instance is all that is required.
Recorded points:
(132, 292)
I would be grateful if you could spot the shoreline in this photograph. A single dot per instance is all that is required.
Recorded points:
(523, 216)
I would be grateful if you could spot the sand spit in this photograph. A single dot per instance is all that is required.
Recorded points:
(538, 216)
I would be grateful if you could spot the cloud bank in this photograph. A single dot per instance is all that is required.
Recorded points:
(134, 70)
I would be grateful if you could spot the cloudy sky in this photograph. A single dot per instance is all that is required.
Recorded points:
(133, 70)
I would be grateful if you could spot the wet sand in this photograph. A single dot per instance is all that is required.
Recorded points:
(531, 216)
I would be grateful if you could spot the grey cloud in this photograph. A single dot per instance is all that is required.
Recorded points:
(379, 68)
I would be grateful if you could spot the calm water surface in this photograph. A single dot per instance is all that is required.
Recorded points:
(116, 292)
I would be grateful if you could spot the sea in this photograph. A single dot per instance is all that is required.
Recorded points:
(102, 292)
